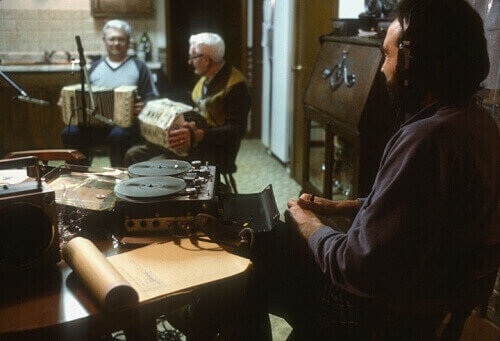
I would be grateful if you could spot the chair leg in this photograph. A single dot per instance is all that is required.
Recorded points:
(226, 181)
(233, 183)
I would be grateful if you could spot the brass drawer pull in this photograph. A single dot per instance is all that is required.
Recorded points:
(339, 74)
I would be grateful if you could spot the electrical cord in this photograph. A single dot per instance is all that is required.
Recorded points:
(68, 143)
(167, 333)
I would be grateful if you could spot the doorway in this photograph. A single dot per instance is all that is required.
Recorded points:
(187, 17)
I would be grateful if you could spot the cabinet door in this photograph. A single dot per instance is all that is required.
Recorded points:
(129, 8)
(342, 79)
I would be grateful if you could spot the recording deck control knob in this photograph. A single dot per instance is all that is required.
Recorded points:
(199, 181)
(190, 176)
(156, 223)
(143, 223)
(204, 170)
(190, 190)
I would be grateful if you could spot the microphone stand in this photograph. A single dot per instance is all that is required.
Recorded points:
(85, 126)
(23, 96)
(14, 85)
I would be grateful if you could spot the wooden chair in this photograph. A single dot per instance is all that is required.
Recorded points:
(46, 155)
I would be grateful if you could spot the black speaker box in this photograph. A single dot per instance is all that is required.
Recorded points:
(29, 237)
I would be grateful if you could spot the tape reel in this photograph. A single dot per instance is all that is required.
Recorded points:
(149, 188)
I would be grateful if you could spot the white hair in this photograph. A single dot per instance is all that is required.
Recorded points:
(210, 44)
(118, 24)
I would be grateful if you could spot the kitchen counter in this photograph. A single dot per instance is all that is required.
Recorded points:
(29, 126)
(31, 68)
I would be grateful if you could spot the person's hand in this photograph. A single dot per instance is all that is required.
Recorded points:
(327, 207)
(304, 221)
(138, 105)
(179, 138)
(197, 133)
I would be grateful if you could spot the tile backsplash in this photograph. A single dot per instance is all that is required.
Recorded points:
(34, 30)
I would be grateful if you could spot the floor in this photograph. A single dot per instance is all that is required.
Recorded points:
(256, 169)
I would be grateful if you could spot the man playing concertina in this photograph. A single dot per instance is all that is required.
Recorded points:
(222, 99)
(116, 69)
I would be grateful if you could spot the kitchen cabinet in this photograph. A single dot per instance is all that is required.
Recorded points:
(123, 9)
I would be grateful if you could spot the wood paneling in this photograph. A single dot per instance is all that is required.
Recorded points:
(29, 126)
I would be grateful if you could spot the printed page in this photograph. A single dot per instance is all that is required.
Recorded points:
(161, 269)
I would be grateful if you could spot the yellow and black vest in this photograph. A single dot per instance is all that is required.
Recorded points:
(211, 106)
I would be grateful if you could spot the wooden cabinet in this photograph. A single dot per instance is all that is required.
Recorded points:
(348, 119)
(28, 126)
(123, 9)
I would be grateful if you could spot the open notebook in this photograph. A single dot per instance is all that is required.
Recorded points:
(149, 272)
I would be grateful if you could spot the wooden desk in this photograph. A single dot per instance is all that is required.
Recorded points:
(56, 306)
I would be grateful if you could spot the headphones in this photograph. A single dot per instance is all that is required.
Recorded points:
(408, 95)
(404, 57)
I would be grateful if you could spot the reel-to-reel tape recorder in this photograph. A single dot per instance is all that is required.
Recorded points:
(161, 197)
(165, 196)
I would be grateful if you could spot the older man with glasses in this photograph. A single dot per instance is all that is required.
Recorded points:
(223, 100)
(116, 69)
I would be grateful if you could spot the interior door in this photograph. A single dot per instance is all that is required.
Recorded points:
(312, 19)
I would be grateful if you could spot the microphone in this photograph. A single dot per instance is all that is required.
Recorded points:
(28, 99)
(80, 50)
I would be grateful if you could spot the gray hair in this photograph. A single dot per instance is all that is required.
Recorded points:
(118, 24)
(211, 45)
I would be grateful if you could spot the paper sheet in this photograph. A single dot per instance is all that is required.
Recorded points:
(162, 269)
(152, 271)
(12, 176)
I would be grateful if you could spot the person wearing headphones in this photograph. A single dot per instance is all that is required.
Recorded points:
(424, 243)
(221, 97)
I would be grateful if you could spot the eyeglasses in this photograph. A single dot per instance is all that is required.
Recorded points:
(116, 39)
(194, 57)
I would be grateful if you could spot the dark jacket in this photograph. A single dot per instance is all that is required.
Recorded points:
(221, 143)
(428, 231)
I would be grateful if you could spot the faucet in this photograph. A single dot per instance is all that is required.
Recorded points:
(68, 56)
(47, 56)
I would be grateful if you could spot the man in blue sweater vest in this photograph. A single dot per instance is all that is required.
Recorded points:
(115, 70)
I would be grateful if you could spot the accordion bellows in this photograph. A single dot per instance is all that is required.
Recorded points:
(161, 116)
(114, 103)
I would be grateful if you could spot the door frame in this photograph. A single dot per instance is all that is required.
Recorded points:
(256, 85)
(303, 33)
